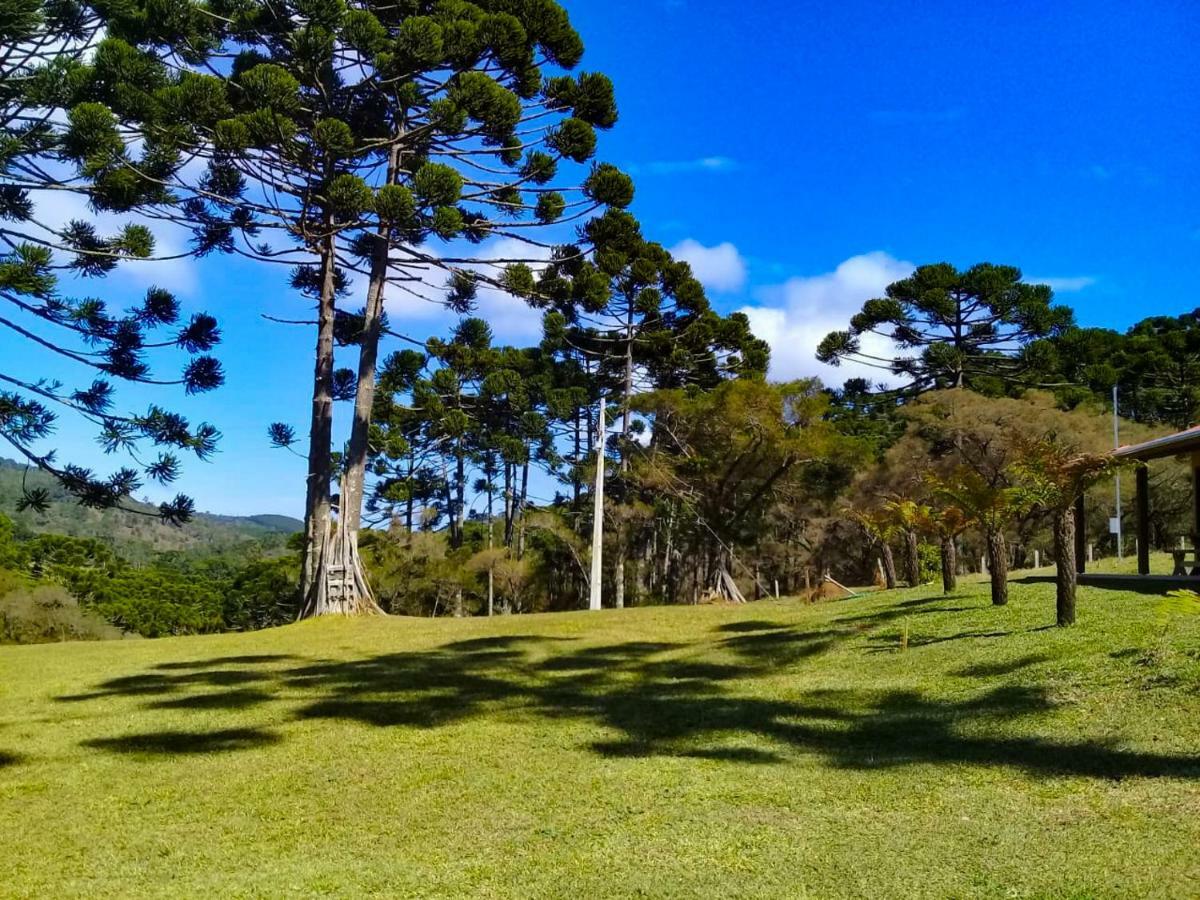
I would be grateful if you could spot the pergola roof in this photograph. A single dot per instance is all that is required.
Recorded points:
(1172, 445)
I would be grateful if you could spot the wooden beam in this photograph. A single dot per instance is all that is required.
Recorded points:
(1080, 536)
(1143, 520)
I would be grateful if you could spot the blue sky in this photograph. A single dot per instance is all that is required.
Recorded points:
(803, 155)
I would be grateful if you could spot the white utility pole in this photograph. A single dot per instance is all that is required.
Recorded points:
(1116, 444)
(598, 517)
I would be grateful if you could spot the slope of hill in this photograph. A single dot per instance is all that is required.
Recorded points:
(135, 536)
(771, 749)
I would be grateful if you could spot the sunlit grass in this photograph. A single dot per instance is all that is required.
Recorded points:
(773, 749)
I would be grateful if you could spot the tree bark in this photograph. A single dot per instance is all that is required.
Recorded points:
(576, 461)
(509, 505)
(619, 567)
(460, 496)
(998, 566)
(364, 395)
(345, 569)
(949, 565)
(1064, 564)
(491, 589)
(320, 440)
(409, 500)
(912, 558)
(620, 532)
(889, 564)
(521, 510)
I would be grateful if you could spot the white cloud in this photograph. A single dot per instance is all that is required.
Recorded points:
(794, 316)
(683, 166)
(1064, 285)
(420, 302)
(720, 268)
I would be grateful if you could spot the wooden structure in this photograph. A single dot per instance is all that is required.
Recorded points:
(1187, 567)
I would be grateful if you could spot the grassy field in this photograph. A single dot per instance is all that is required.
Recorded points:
(773, 749)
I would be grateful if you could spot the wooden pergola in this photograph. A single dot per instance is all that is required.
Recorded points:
(1184, 443)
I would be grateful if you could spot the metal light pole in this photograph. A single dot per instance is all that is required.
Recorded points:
(1116, 444)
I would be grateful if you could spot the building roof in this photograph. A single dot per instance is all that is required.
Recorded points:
(1172, 445)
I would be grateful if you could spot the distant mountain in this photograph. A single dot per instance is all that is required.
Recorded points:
(136, 536)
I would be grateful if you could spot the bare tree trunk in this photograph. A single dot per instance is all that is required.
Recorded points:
(1064, 562)
(723, 585)
(345, 566)
(451, 512)
(949, 565)
(408, 512)
(621, 531)
(521, 510)
(491, 563)
(509, 505)
(460, 498)
(320, 450)
(912, 558)
(619, 567)
(998, 566)
(576, 460)
(889, 564)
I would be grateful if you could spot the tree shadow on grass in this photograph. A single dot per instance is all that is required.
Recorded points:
(783, 648)
(240, 698)
(220, 661)
(171, 743)
(651, 702)
(8, 759)
(992, 670)
(929, 605)
(749, 625)
(890, 643)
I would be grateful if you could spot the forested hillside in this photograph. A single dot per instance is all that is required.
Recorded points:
(137, 536)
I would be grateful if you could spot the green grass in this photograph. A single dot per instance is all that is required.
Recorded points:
(773, 749)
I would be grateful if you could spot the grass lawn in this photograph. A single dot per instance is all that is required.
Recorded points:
(773, 749)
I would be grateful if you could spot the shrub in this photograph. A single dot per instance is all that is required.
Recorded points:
(33, 613)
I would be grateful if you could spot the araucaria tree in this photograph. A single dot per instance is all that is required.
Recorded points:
(384, 140)
(58, 80)
(950, 328)
(640, 321)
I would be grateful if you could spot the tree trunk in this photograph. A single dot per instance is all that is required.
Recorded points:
(912, 558)
(460, 497)
(626, 411)
(320, 449)
(889, 565)
(576, 461)
(723, 585)
(345, 566)
(619, 567)
(1064, 563)
(521, 510)
(998, 566)
(448, 490)
(409, 500)
(949, 565)
(491, 574)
